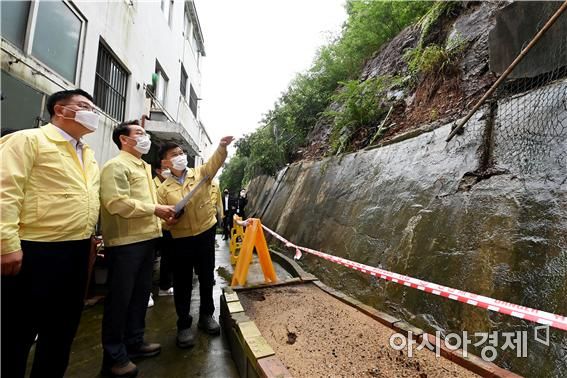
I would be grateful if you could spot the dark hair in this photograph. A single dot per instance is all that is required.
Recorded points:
(122, 129)
(5, 131)
(166, 146)
(64, 95)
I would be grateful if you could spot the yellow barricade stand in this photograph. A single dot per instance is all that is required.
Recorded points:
(253, 238)
(236, 237)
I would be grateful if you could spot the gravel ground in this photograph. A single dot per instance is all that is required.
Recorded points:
(316, 335)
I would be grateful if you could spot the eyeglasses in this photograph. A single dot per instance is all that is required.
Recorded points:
(83, 106)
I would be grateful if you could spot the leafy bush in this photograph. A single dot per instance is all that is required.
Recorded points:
(434, 59)
(233, 173)
(363, 104)
(286, 126)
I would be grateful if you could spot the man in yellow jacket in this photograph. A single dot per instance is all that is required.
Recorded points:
(130, 228)
(49, 209)
(216, 201)
(193, 236)
(164, 244)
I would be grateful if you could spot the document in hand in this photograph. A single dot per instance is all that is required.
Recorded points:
(179, 208)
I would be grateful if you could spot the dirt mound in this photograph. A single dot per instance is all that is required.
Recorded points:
(316, 335)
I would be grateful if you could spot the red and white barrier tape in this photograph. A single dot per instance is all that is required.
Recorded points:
(542, 317)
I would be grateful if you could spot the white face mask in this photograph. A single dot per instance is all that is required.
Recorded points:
(179, 162)
(166, 173)
(86, 118)
(143, 144)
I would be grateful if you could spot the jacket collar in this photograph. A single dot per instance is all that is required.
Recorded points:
(128, 156)
(190, 173)
(52, 133)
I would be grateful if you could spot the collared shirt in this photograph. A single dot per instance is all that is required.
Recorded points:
(46, 196)
(77, 144)
(181, 178)
(128, 201)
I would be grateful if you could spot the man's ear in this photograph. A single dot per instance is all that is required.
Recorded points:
(123, 139)
(58, 107)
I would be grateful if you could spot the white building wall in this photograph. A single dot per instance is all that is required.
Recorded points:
(138, 34)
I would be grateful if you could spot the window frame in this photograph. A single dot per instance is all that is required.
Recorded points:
(159, 68)
(114, 59)
(187, 24)
(30, 35)
(193, 99)
(183, 88)
(168, 16)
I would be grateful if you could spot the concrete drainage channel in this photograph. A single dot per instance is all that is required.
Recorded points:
(301, 327)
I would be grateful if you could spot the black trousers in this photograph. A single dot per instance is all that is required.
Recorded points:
(199, 252)
(44, 299)
(165, 246)
(129, 285)
(227, 225)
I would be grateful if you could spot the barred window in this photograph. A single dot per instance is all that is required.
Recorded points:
(110, 84)
(193, 101)
(183, 83)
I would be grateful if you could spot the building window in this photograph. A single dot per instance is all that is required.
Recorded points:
(57, 33)
(167, 9)
(57, 38)
(161, 84)
(14, 21)
(21, 106)
(183, 82)
(111, 80)
(195, 44)
(187, 25)
(193, 101)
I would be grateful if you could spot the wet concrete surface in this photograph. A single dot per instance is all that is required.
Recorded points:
(210, 357)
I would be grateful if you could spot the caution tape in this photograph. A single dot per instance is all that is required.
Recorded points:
(522, 312)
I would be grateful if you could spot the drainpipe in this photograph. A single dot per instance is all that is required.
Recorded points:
(144, 117)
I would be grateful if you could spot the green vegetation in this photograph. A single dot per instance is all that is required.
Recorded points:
(433, 59)
(439, 11)
(432, 56)
(362, 104)
(285, 128)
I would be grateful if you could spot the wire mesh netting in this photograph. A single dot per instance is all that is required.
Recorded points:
(530, 129)
(526, 116)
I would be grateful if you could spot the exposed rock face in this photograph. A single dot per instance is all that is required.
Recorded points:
(471, 28)
(516, 25)
(469, 214)
(441, 98)
(389, 60)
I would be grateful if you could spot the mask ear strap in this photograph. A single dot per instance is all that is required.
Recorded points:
(60, 115)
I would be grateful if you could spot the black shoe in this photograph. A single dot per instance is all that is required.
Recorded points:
(208, 324)
(120, 370)
(185, 338)
(145, 350)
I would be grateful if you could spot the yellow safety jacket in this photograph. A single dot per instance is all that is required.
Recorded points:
(200, 214)
(157, 182)
(216, 199)
(46, 194)
(128, 198)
